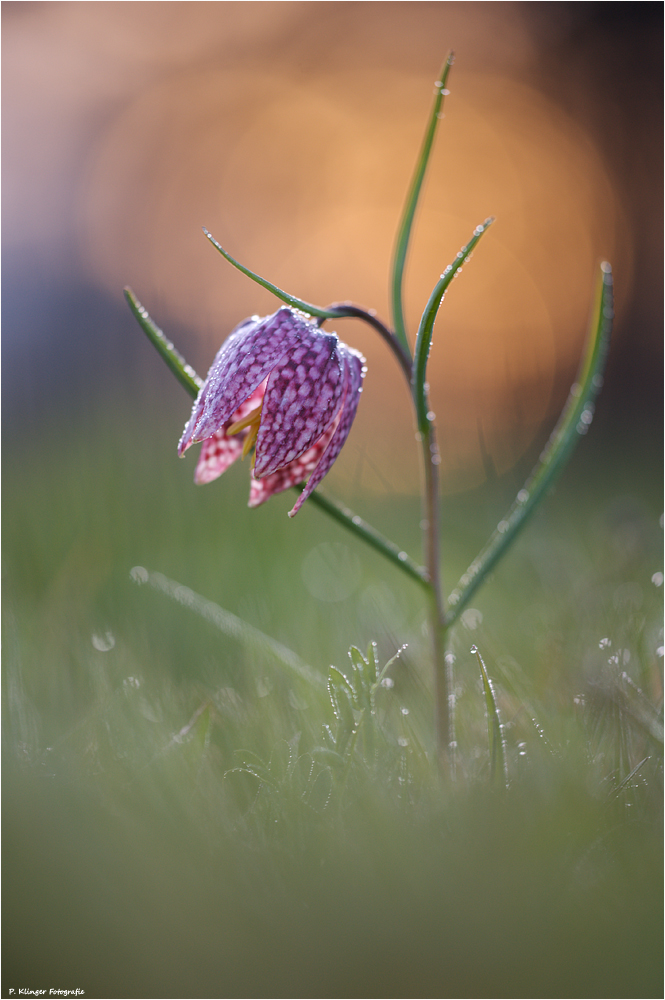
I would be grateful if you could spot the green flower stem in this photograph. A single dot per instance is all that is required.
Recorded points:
(352, 522)
(431, 545)
(343, 309)
(426, 327)
(406, 223)
(443, 706)
(573, 422)
(182, 371)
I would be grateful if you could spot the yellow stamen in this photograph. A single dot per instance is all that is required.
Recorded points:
(250, 440)
(252, 420)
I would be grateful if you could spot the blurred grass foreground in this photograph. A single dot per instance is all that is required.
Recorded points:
(190, 810)
(176, 822)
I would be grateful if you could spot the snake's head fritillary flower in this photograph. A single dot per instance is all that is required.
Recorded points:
(284, 389)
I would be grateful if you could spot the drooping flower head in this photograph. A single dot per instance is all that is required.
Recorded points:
(287, 390)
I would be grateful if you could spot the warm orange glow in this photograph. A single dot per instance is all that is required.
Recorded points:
(301, 173)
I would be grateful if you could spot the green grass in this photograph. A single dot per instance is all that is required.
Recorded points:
(176, 821)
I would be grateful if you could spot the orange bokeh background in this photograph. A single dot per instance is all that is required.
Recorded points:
(290, 130)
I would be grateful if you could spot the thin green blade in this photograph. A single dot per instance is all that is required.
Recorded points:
(182, 371)
(498, 769)
(574, 422)
(290, 300)
(406, 223)
(426, 327)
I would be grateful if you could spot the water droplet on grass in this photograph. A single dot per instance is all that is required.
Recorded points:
(103, 642)
(472, 618)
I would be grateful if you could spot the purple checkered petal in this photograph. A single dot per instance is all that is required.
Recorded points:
(219, 451)
(292, 474)
(244, 360)
(354, 365)
(217, 454)
(303, 395)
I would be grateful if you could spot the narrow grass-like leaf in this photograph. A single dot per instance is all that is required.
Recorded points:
(629, 777)
(389, 664)
(426, 326)
(340, 680)
(406, 223)
(320, 790)
(229, 624)
(342, 700)
(498, 767)
(290, 300)
(362, 678)
(355, 524)
(572, 424)
(182, 371)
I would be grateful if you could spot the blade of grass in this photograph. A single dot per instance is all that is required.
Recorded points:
(182, 371)
(406, 223)
(290, 300)
(574, 421)
(426, 326)
(626, 781)
(497, 745)
(229, 624)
